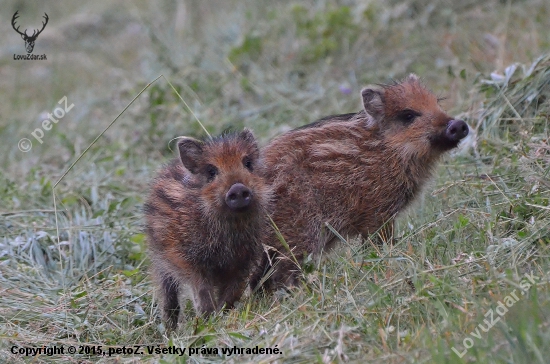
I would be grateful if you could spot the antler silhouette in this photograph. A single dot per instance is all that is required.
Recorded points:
(43, 25)
(25, 35)
(15, 16)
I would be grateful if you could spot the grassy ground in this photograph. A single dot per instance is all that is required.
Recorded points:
(463, 251)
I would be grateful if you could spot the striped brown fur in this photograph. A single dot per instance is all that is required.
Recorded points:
(355, 172)
(196, 236)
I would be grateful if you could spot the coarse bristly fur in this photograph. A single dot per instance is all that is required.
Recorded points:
(355, 172)
(196, 238)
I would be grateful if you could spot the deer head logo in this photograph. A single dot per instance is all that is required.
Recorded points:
(29, 39)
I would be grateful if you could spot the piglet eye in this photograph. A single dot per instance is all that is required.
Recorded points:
(247, 162)
(408, 116)
(211, 172)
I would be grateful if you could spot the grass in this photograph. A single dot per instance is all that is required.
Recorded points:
(464, 247)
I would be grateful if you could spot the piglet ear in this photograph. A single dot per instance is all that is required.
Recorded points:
(190, 153)
(247, 136)
(373, 102)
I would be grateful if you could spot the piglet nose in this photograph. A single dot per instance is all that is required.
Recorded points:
(238, 197)
(456, 130)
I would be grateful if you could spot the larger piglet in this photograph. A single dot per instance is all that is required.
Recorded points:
(355, 172)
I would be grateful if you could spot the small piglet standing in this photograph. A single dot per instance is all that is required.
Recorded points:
(355, 172)
(205, 216)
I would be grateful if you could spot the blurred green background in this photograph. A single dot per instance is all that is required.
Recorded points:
(266, 65)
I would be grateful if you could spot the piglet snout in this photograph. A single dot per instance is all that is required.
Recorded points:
(456, 130)
(238, 197)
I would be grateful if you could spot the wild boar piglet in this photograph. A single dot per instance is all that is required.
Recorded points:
(355, 172)
(205, 215)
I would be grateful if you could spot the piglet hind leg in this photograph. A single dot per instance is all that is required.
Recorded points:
(287, 274)
(231, 293)
(284, 273)
(169, 301)
(205, 298)
(258, 274)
